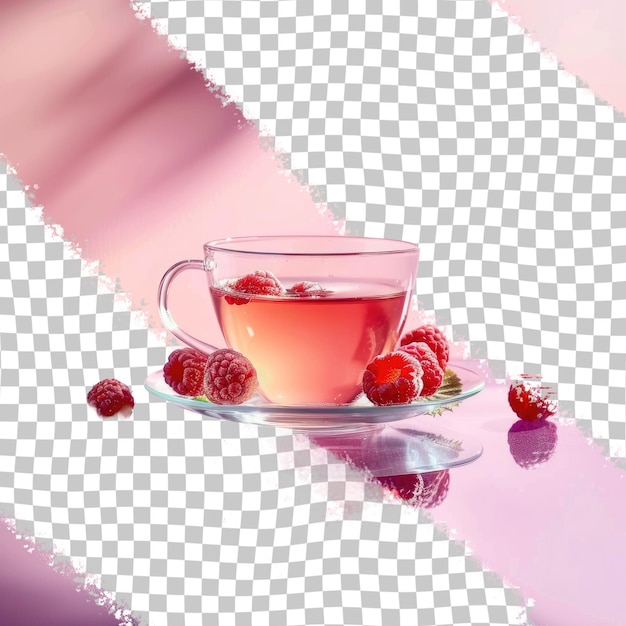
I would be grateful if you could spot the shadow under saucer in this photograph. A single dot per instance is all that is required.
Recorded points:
(409, 447)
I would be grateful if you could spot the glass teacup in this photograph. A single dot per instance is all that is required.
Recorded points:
(341, 302)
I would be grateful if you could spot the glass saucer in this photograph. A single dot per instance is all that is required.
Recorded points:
(382, 441)
(413, 446)
(354, 417)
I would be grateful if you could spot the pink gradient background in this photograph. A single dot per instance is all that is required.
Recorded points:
(133, 157)
(556, 530)
(140, 165)
(34, 594)
(587, 38)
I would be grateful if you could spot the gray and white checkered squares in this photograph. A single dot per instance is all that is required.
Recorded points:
(191, 521)
(439, 122)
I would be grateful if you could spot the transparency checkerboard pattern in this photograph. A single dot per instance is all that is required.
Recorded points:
(184, 520)
(440, 122)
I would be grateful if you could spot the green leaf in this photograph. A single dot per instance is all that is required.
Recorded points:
(450, 387)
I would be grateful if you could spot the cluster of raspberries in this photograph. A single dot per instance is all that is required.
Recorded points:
(415, 369)
(265, 283)
(224, 377)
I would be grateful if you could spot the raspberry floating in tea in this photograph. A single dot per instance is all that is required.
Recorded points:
(308, 289)
(434, 338)
(184, 371)
(432, 376)
(110, 396)
(259, 283)
(229, 378)
(393, 378)
(530, 400)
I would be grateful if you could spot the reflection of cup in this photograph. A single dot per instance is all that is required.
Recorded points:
(532, 443)
(306, 347)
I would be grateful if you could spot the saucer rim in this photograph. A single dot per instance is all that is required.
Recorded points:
(260, 405)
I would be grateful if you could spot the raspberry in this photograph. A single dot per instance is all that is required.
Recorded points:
(184, 371)
(260, 283)
(433, 374)
(109, 397)
(530, 400)
(229, 378)
(435, 339)
(421, 490)
(532, 443)
(393, 378)
(307, 288)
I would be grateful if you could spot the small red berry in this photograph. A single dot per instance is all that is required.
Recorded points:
(393, 378)
(109, 397)
(229, 378)
(184, 371)
(434, 338)
(307, 289)
(260, 283)
(433, 374)
(530, 400)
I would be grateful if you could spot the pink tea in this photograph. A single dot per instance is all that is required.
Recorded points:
(313, 349)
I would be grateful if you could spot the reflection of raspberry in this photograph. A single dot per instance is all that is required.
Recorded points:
(421, 490)
(307, 288)
(260, 283)
(393, 378)
(433, 374)
(229, 378)
(532, 443)
(109, 397)
(530, 400)
(434, 338)
(184, 371)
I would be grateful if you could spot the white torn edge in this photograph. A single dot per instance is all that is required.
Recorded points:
(55, 233)
(57, 559)
(73, 569)
(267, 139)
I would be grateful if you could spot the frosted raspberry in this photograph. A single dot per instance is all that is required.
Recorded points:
(434, 338)
(184, 371)
(393, 378)
(433, 374)
(425, 490)
(229, 378)
(530, 400)
(260, 283)
(109, 397)
(532, 443)
(307, 289)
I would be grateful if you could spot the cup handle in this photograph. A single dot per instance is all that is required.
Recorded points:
(166, 316)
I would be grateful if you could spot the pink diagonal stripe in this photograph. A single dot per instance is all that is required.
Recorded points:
(586, 37)
(132, 156)
(141, 165)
